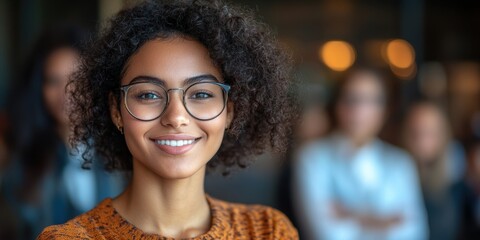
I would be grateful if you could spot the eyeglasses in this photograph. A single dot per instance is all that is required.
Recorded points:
(356, 100)
(147, 101)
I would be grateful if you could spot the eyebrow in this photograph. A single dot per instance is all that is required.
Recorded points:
(188, 81)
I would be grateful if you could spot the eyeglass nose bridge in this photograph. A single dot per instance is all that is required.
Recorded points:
(168, 98)
(175, 89)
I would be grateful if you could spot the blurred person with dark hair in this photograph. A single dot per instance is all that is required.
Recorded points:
(428, 139)
(353, 185)
(8, 220)
(311, 126)
(471, 228)
(314, 122)
(44, 182)
(471, 223)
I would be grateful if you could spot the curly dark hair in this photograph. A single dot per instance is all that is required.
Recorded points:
(245, 50)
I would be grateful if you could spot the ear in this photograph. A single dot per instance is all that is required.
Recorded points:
(230, 113)
(115, 114)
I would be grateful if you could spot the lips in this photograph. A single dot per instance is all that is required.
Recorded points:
(175, 144)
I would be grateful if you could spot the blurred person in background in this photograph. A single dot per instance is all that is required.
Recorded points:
(312, 125)
(472, 218)
(314, 122)
(8, 220)
(427, 137)
(471, 225)
(44, 182)
(353, 185)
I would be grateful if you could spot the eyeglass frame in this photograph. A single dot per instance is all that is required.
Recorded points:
(225, 89)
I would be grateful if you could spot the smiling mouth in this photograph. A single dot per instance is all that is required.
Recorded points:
(176, 143)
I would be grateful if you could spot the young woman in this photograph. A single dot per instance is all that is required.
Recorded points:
(168, 89)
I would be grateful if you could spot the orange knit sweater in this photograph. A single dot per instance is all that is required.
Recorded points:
(229, 221)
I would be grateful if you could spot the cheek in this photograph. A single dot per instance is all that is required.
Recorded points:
(368, 113)
(51, 97)
(214, 130)
(343, 114)
(48, 96)
(430, 143)
(134, 130)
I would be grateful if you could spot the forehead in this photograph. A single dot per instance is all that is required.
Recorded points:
(364, 82)
(61, 57)
(427, 115)
(173, 59)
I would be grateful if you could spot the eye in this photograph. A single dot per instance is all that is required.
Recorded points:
(52, 81)
(148, 96)
(201, 95)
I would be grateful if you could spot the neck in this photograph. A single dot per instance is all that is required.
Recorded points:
(169, 207)
(357, 141)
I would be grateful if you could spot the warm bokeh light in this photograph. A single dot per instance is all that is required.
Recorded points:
(400, 54)
(337, 55)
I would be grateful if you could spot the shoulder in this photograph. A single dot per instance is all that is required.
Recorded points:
(318, 149)
(397, 157)
(255, 221)
(73, 229)
(320, 145)
(395, 152)
(63, 231)
(315, 156)
(85, 226)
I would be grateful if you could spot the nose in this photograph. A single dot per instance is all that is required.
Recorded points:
(175, 114)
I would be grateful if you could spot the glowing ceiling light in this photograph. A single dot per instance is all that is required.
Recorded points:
(400, 54)
(337, 55)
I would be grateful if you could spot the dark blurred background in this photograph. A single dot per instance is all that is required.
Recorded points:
(429, 49)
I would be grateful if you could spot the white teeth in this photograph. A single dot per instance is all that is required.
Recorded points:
(175, 143)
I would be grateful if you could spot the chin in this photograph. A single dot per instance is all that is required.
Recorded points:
(178, 169)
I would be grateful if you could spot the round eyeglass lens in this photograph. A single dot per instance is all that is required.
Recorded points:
(145, 101)
(205, 100)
